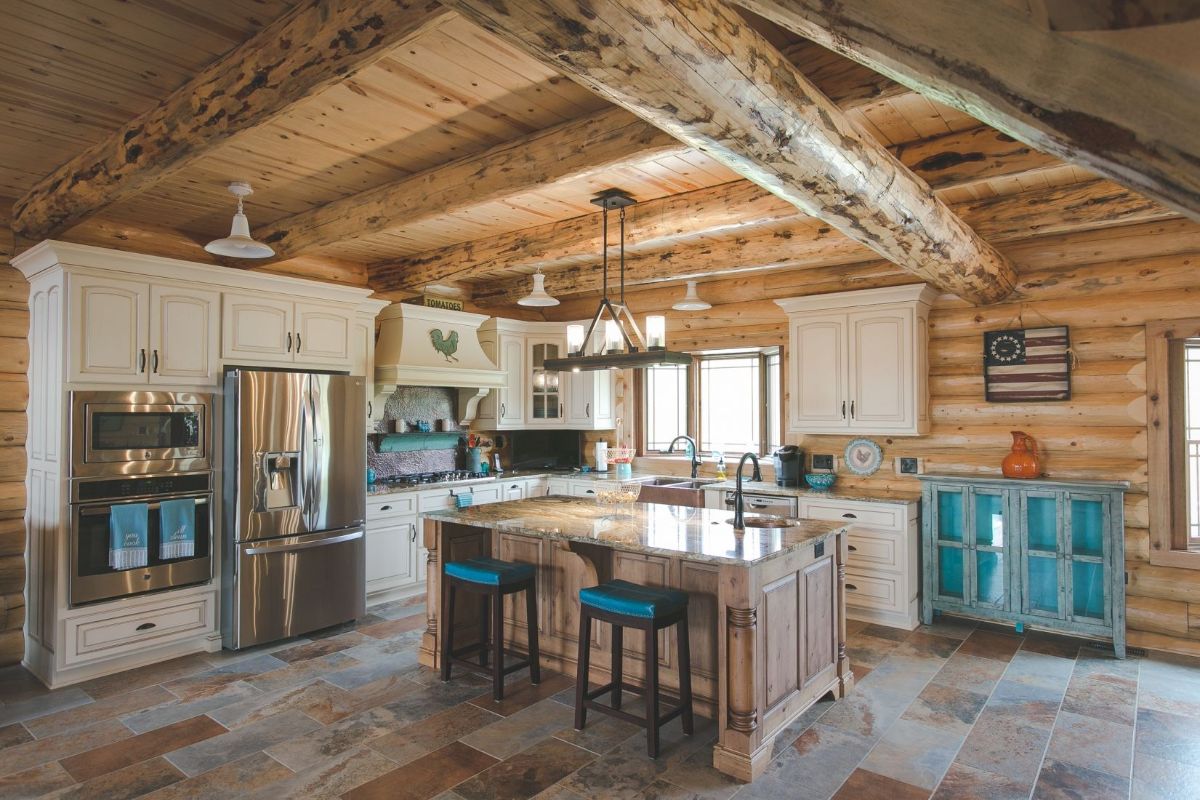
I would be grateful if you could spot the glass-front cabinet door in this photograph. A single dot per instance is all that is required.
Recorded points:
(1086, 522)
(545, 386)
(989, 555)
(1042, 562)
(950, 543)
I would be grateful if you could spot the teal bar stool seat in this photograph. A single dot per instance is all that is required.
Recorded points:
(492, 580)
(650, 609)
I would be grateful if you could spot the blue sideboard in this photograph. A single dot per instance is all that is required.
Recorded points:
(1049, 554)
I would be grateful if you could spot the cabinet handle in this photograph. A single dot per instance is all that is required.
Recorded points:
(502, 411)
(289, 341)
(848, 515)
(560, 411)
(145, 626)
(370, 409)
(142, 360)
(852, 548)
(514, 486)
(851, 409)
(414, 532)
(851, 587)
(297, 342)
(843, 409)
(587, 410)
(385, 508)
(155, 367)
(591, 491)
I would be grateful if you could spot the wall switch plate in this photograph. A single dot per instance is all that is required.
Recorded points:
(822, 461)
(909, 465)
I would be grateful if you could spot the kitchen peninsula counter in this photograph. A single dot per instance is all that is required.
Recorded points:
(766, 613)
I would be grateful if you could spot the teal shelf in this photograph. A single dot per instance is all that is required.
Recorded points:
(410, 442)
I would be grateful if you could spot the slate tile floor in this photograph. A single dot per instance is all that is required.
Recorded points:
(953, 710)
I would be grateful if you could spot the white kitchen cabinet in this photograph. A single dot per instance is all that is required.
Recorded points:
(536, 487)
(110, 331)
(392, 549)
(183, 335)
(258, 329)
(362, 355)
(322, 333)
(858, 363)
(514, 490)
(591, 394)
(545, 389)
(503, 409)
(558, 486)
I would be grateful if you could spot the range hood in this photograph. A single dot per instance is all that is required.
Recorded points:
(423, 346)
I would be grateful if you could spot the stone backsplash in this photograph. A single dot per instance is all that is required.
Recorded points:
(412, 404)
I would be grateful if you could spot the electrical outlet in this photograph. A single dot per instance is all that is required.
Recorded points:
(822, 462)
(909, 465)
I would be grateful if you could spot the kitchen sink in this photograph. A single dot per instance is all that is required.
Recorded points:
(672, 480)
(769, 522)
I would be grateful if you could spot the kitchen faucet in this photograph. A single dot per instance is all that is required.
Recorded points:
(696, 462)
(739, 505)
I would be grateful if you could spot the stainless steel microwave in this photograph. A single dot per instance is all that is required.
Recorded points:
(139, 433)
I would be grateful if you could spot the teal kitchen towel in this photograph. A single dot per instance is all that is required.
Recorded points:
(177, 520)
(128, 525)
(464, 500)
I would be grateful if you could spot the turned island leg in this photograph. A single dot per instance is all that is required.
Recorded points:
(845, 675)
(429, 655)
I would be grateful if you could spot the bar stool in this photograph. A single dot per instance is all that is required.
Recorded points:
(628, 605)
(491, 579)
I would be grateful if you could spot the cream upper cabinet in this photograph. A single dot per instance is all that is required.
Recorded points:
(590, 396)
(857, 361)
(257, 328)
(545, 389)
(322, 333)
(109, 326)
(503, 409)
(183, 335)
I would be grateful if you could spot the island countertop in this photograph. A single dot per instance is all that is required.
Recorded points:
(694, 534)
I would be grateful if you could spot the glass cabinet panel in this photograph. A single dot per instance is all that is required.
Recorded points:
(1087, 526)
(1041, 584)
(545, 392)
(989, 519)
(950, 572)
(1087, 589)
(991, 582)
(1041, 522)
(950, 515)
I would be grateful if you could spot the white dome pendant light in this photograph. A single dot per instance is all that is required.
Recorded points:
(691, 301)
(238, 243)
(538, 297)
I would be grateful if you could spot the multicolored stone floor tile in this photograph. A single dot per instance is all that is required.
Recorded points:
(951, 711)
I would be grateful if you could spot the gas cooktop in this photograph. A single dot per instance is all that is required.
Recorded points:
(421, 478)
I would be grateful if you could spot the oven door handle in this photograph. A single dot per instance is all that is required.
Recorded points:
(103, 510)
(302, 545)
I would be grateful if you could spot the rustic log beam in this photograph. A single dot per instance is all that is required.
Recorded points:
(806, 242)
(317, 44)
(1128, 114)
(702, 74)
(951, 160)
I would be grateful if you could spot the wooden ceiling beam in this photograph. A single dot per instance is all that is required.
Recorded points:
(808, 242)
(1129, 113)
(945, 162)
(702, 74)
(317, 44)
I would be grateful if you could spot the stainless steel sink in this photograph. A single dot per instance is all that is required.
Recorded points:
(696, 483)
(768, 522)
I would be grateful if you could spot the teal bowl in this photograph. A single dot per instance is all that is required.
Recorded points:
(820, 481)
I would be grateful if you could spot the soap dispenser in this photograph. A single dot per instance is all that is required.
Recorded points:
(720, 457)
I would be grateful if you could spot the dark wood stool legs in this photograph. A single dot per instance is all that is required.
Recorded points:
(491, 632)
(652, 721)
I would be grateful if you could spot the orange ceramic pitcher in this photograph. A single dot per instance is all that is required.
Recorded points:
(1023, 461)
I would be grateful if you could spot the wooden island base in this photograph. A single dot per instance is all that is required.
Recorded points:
(767, 634)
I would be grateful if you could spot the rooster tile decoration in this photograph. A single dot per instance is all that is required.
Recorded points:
(446, 345)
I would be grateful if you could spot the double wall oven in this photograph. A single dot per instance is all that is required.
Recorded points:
(144, 448)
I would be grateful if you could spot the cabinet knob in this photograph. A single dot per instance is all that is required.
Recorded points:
(848, 515)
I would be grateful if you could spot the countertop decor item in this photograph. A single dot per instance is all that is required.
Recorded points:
(820, 481)
(1024, 461)
(863, 457)
(1029, 364)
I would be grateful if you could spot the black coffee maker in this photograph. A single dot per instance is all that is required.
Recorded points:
(789, 465)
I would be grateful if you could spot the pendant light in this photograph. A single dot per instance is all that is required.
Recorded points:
(238, 243)
(538, 296)
(624, 345)
(691, 301)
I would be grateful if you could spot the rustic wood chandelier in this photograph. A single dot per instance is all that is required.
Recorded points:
(624, 346)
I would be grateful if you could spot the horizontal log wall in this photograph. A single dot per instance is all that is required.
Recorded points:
(1106, 289)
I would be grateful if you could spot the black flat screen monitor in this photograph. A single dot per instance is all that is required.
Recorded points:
(545, 449)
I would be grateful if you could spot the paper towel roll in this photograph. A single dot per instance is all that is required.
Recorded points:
(602, 456)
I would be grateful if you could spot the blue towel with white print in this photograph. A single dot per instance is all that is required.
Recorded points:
(177, 521)
(128, 532)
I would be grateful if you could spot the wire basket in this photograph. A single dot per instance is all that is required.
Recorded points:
(621, 455)
(617, 492)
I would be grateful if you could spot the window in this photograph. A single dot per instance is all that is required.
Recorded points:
(729, 401)
(1173, 390)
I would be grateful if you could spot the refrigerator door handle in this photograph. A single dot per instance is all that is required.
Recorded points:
(303, 544)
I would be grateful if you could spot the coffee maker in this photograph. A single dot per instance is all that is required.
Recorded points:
(789, 465)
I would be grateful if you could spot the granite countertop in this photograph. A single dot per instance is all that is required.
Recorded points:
(857, 495)
(376, 489)
(696, 534)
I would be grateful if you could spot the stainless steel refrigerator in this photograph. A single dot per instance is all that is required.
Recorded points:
(295, 504)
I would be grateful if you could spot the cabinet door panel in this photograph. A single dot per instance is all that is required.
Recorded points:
(108, 323)
(880, 369)
(322, 334)
(183, 335)
(817, 374)
(257, 328)
(389, 553)
(546, 389)
(512, 398)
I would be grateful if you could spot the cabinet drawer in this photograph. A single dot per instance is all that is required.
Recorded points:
(443, 499)
(875, 515)
(558, 487)
(873, 591)
(583, 489)
(390, 505)
(94, 637)
(875, 549)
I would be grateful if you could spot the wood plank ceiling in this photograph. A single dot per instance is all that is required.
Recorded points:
(76, 71)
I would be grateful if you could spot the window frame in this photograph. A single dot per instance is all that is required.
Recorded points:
(1166, 464)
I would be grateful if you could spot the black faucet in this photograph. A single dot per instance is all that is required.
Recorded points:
(695, 453)
(739, 505)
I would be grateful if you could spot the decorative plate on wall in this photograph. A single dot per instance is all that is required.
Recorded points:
(863, 457)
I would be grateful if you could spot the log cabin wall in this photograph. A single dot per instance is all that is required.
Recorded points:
(1104, 284)
(14, 359)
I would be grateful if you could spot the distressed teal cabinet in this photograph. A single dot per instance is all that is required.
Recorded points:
(1043, 553)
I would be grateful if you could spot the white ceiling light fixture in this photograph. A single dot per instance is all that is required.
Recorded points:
(691, 301)
(538, 297)
(238, 243)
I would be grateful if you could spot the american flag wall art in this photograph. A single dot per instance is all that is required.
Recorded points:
(1027, 364)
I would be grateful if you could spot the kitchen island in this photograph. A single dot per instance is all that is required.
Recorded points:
(766, 613)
